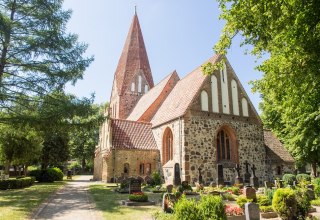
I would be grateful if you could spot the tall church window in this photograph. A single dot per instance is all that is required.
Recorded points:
(126, 168)
(235, 102)
(214, 91)
(141, 168)
(224, 90)
(204, 101)
(139, 83)
(146, 88)
(133, 87)
(245, 111)
(148, 168)
(167, 146)
(226, 146)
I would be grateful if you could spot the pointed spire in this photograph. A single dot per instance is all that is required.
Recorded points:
(134, 58)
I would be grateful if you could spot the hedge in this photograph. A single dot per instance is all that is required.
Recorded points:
(47, 175)
(16, 183)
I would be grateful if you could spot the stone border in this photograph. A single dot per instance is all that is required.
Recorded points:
(268, 215)
(132, 203)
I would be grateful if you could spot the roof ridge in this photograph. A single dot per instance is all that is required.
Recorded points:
(139, 122)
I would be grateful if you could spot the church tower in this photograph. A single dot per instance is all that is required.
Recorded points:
(133, 76)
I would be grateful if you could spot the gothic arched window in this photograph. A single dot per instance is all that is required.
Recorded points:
(204, 101)
(226, 146)
(167, 146)
(126, 168)
(139, 83)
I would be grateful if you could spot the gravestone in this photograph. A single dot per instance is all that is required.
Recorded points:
(220, 180)
(247, 174)
(253, 179)
(148, 180)
(252, 211)
(140, 178)
(134, 185)
(250, 193)
(200, 176)
(238, 179)
(176, 177)
(169, 188)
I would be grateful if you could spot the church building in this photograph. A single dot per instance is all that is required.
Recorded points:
(193, 123)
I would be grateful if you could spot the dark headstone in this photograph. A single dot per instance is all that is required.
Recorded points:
(268, 184)
(253, 169)
(220, 180)
(185, 183)
(254, 181)
(249, 193)
(140, 178)
(247, 174)
(200, 176)
(169, 188)
(134, 185)
(252, 211)
(176, 177)
(238, 179)
(148, 180)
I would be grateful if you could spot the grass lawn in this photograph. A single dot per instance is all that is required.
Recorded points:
(20, 203)
(108, 202)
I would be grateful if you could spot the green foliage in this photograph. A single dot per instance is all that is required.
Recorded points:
(303, 203)
(242, 200)
(269, 193)
(212, 207)
(289, 179)
(289, 34)
(263, 200)
(315, 202)
(47, 175)
(303, 176)
(234, 190)
(228, 196)
(156, 178)
(74, 165)
(317, 191)
(16, 183)
(284, 203)
(183, 188)
(186, 209)
(316, 181)
(266, 208)
(138, 197)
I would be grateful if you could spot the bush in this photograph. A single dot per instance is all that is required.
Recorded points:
(265, 209)
(16, 183)
(269, 193)
(317, 191)
(156, 178)
(48, 175)
(284, 203)
(263, 200)
(234, 190)
(233, 210)
(241, 200)
(212, 207)
(303, 204)
(186, 209)
(315, 202)
(228, 197)
(316, 181)
(289, 178)
(303, 176)
(138, 197)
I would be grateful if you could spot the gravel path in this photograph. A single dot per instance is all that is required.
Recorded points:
(71, 202)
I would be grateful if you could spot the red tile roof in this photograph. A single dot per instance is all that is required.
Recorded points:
(132, 135)
(150, 97)
(181, 96)
(133, 58)
(275, 150)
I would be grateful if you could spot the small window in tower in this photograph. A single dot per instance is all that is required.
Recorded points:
(139, 83)
(146, 88)
(126, 168)
(141, 168)
(133, 87)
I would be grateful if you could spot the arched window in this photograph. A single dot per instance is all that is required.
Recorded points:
(133, 87)
(214, 91)
(126, 168)
(224, 90)
(148, 168)
(226, 146)
(167, 146)
(204, 101)
(146, 88)
(141, 168)
(235, 102)
(245, 111)
(139, 83)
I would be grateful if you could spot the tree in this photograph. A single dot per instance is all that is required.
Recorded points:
(289, 33)
(37, 56)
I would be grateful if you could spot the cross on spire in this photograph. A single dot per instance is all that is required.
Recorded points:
(135, 9)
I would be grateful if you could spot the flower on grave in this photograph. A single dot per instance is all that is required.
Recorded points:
(233, 210)
(138, 197)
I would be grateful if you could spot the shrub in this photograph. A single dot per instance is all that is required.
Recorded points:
(269, 193)
(284, 203)
(241, 200)
(156, 178)
(186, 209)
(266, 208)
(47, 175)
(183, 188)
(234, 190)
(228, 197)
(57, 173)
(315, 202)
(316, 181)
(303, 204)
(212, 207)
(16, 183)
(289, 178)
(138, 197)
(317, 191)
(36, 174)
(233, 210)
(263, 200)
(303, 176)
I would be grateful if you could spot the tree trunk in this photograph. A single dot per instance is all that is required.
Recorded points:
(7, 167)
(83, 164)
(314, 169)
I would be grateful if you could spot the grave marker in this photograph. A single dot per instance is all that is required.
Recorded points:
(252, 211)
(253, 179)
(176, 177)
(247, 174)
(238, 179)
(250, 193)
(134, 185)
(220, 180)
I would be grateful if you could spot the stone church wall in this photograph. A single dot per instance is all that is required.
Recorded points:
(200, 146)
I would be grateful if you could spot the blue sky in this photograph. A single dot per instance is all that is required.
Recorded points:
(179, 35)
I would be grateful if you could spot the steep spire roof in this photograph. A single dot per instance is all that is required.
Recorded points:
(133, 58)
